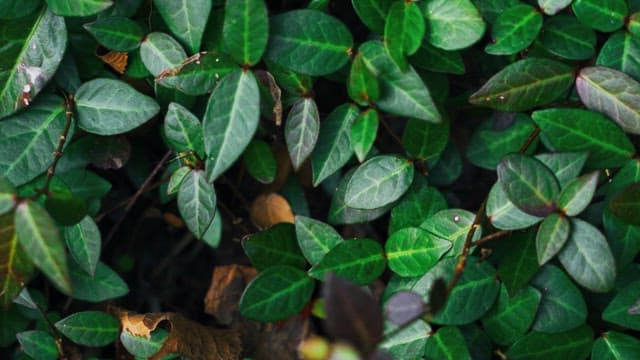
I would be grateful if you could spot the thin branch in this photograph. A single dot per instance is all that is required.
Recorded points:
(388, 129)
(490, 237)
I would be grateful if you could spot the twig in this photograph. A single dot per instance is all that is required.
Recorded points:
(490, 237)
(126, 201)
(388, 129)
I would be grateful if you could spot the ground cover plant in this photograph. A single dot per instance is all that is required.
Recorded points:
(374, 179)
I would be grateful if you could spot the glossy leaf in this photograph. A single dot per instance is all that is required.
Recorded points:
(15, 267)
(621, 52)
(373, 13)
(230, 120)
(84, 243)
(511, 317)
(260, 161)
(276, 293)
(425, 140)
(419, 204)
(362, 85)
(38, 344)
(447, 343)
(186, 19)
(363, 133)
(183, 130)
(403, 31)
(381, 180)
(160, 53)
(577, 130)
(176, 179)
(333, 148)
(619, 311)
(357, 260)
(90, 328)
(572, 344)
(614, 345)
(524, 85)
(452, 225)
(601, 15)
(104, 284)
(245, 40)
(197, 202)
(566, 37)
(109, 107)
(566, 166)
(514, 30)
(491, 9)
(79, 8)
(116, 33)
(577, 195)
(612, 93)
(452, 25)
(274, 246)
(8, 196)
(301, 130)
(551, 236)
(315, 238)
(626, 205)
(308, 41)
(412, 251)
(503, 214)
(552, 7)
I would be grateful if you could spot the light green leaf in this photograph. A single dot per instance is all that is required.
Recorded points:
(551, 236)
(273, 247)
(452, 25)
(552, 7)
(511, 317)
(577, 195)
(213, 235)
(109, 107)
(514, 30)
(621, 52)
(38, 344)
(357, 260)
(619, 309)
(230, 120)
(245, 30)
(412, 251)
(572, 344)
(408, 342)
(403, 31)
(197, 202)
(183, 130)
(420, 203)
(614, 345)
(176, 179)
(309, 42)
(503, 214)
(105, 284)
(447, 344)
(187, 19)
(363, 133)
(301, 130)
(116, 33)
(373, 13)
(601, 15)
(566, 37)
(90, 328)
(78, 8)
(142, 347)
(315, 238)
(84, 244)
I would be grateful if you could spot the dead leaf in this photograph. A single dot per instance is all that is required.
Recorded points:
(117, 60)
(227, 284)
(270, 209)
(267, 80)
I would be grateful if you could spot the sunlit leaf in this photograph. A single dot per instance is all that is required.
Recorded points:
(452, 25)
(412, 251)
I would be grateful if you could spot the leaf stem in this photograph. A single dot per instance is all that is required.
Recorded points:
(490, 237)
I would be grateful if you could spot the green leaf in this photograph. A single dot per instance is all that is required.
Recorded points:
(230, 120)
(84, 243)
(357, 260)
(290, 81)
(213, 235)
(32, 49)
(13, 9)
(8, 196)
(105, 284)
(612, 93)
(551, 236)
(566, 166)
(403, 31)
(552, 7)
(15, 267)
(273, 247)
(363, 133)
(116, 33)
(309, 42)
(572, 344)
(142, 347)
(160, 53)
(362, 85)
(301, 130)
(491, 9)
(186, 19)
(30, 138)
(518, 263)
(245, 30)
(621, 52)
(373, 13)
(379, 181)
(619, 309)
(588, 258)
(503, 214)
(566, 37)
(514, 30)
(197, 202)
(528, 183)
(176, 179)
(562, 306)
(78, 8)
(90, 328)
(315, 238)
(183, 130)
(425, 141)
(40, 239)
(447, 343)
(419, 204)
(626, 205)
(260, 161)
(431, 58)
(412, 251)
(524, 85)
(624, 239)
(109, 107)
(577, 130)
(333, 148)
(452, 225)
(401, 93)
(577, 194)
(452, 25)
(511, 317)
(38, 344)
(408, 342)
(614, 345)
(199, 74)
(601, 15)
(276, 293)
(497, 137)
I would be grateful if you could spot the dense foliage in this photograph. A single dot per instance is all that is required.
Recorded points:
(438, 179)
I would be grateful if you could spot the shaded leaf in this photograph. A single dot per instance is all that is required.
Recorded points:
(15, 267)
(373, 13)
(419, 204)
(260, 161)
(552, 7)
(38, 344)
(518, 263)
(183, 130)
(404, 307)
(626, 205)
(79, 8)
(566, 37)
(452, 225)
(514, 30)
(340, 213)
(409, 342)
(605, 16)
(566, 166)
(425, 140)
(572, 344)
(140, 346)
(104, 284)
(116, 33)
(511, 317)
(621, 52)
(89, 328)
(198, 74)
(615, 346)
(357, 260)
(403, 31)
(363, 133)
(84, 243)
(619, 311)
(362, 85)
(577, 194)
(274, 246)
(431, 58)
(447, 343)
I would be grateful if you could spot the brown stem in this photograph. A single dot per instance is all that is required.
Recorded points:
(490, 237)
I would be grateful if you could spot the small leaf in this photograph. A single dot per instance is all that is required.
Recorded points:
(551, 236)
(425, 141)
(109, 107)
(187, 19)
(403, 31)
(197, 202)
(183, 130)
(38, 344)
(260, 161)
(626, 205)
(362, 85)
(104, 284)
(447, 343)
(230, 120)
(80, 8)
(577, 195)
(176, 179)
(276, 293)
(363, 133)
(8, 196)
(245, 30)
(605, 16)
(309, 42)
(84, 244)
(379, 181)
(524, 85)
(357, 260)
(514, 30)
(142, 347)
(452, 25)
(373, 13)
(408, 342)
(199, 74)
(315, 238)
(90, 328)
(612, 93)
(161, 53)
(273, 247)
(511, 317)
(503, 214)
(301, 130)
(615, 345)
(413, 251)
(572, 344)
(116, 33)
(619, 309)
(566, 37)
(552, 7)
(213, 235)
(528, 183)
(15, 267)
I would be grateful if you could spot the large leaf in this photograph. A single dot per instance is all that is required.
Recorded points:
(524, 85)
(517, 263)
(613, 93)
(84, 243)
(588, 258)
(78, 8)
(276, 293)
(90, 328)
(245, 40)
(13, 9)
(230, 120)
(511, 317)
(104, 284)
(183, 130)
(274, 246)
(614, 345)
(197, 202)
(621, 52)
(160, 53)
(403, 31)
(373, 13)
(308, 41)
(39, 237)
(420, 203)
(15, 268)
(412, 251)
(619, 311)
(315, 238)
(381, 180)
(32, 49)
(503, 214)
(514, 30)
(626, 205)
(528, 183)
(452, 25)
(116, 33)
(109, 107)
(572, 344)
(301, 130)
(187, 19)
(566, 37)
(551, 237)
(601, 15)
(357, 260)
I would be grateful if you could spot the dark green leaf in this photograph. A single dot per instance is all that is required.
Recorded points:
(511, 317)
(260, 161)
(419, 204)
(412, 251)
(315, 238)
(601, 15)
(514, 30)
(276, 293)
(491, 9)
(572, 344)
(245, 30)
(90, 328)
(518, 261)
(626, 205)
(503, 214)
(116, 33)
(84, 244)
(577, 194)
(403, 31)
(431, 58)
(552, 7)
(621, 52)
(373, 13)
(186, 19)
(38, 344)
(566, 37)
(363, 133)
(273, 247)
(301, 130)
(140, 346)
(447, 343)
(425, 140)
(619, 311)
(290, 81)
(13, 9)
(362, 85)
(183, 130)
(15, 267)
(614, 345)
(357, 260)
(452, 25)
(565, 165)
(105, 284)
(524, 85)
(624, 239)
(308, 41)
(197, 202)
(78, 8)
(552, 234)
(65, 207)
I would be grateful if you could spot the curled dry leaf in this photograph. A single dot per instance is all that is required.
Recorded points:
(227, 284)
(267, 80)
(270, 209)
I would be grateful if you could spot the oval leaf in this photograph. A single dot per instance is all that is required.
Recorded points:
(90, 328)
(183, 130)
(116, 33)
(301, 130)
(452, 25)
(84, 243)
(245, 40)
(187, 19)
(413, 251)
(514, 30)
(274, 246)
(551, 236)
(357, 260)
(197, 202)
(315, 238)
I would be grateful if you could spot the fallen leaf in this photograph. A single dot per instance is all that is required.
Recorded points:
(227, 284)
(270, 209)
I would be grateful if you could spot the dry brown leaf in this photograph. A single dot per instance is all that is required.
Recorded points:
(268, 81)
(227, 284)
(270, 209)
(117, 60)
(187, 338)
